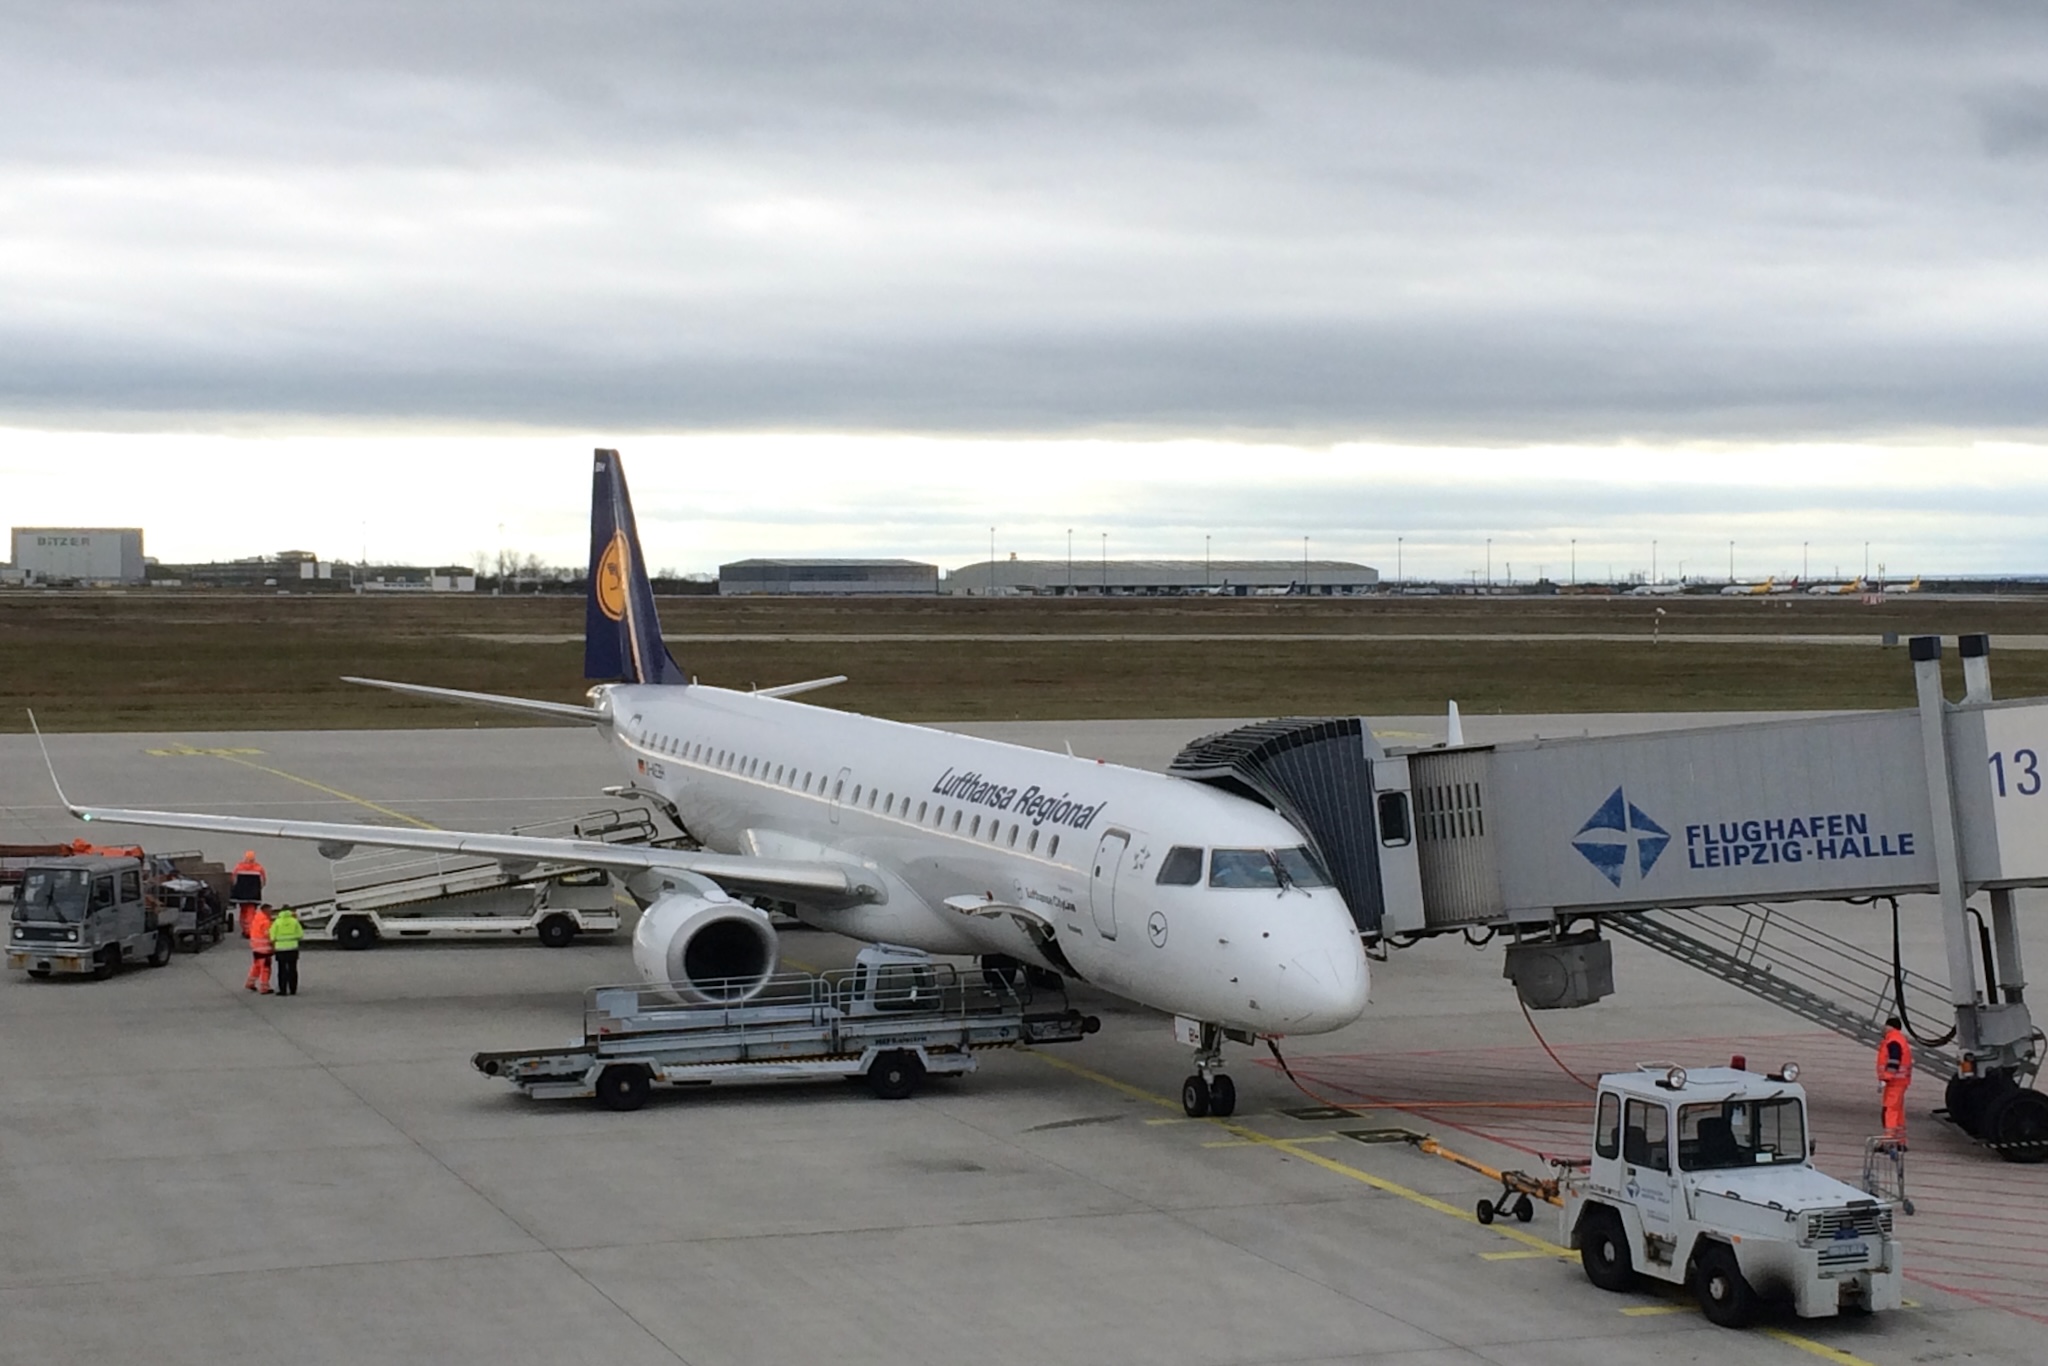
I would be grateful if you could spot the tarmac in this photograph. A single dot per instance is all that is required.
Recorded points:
(191, 1173)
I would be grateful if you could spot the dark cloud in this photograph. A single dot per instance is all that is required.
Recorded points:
(1437, 222)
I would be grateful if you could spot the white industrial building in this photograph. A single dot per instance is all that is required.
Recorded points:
(55, 554)
(835, 577)
(1139, 578)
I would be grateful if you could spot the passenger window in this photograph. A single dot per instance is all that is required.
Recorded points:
(1646, 1136)
(871, 799)
(956, 821)
(1053, 848)
(1013, 837)
(1182, 867)
(102, 893)
(807, 780)
(838, 789)
(1607, 1126)
(1031, 846)
(778, 773)
(856, 794)
(889, 805)
(920, 813)
(1242, 868)
(975, 829)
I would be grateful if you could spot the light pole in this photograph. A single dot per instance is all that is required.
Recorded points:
(1653, 562)
(1805, 559)
(1399, 576)
(1105, 564)
(1304, 566)
(1731, 562)
(1489, 561)
(1575, 562)
(991, 561)
(1205, 562)
(1070, 562)
(1866, 562)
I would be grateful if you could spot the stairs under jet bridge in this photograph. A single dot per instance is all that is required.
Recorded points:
(1691, 841)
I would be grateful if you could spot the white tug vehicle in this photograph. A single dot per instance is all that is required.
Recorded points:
(1708, 1174)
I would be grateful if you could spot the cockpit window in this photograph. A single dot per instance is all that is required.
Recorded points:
(1182, 867)
(1302, 867)
(1243, 868)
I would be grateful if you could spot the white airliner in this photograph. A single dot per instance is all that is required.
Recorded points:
(1163, 890)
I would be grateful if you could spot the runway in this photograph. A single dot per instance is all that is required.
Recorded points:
(194, 1174)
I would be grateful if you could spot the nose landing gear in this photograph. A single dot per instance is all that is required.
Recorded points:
(1209, 1091)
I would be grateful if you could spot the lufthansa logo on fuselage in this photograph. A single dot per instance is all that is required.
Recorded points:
(611, 578)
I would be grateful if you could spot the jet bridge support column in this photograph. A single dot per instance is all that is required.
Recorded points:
(1955, 920)
(2009, 974)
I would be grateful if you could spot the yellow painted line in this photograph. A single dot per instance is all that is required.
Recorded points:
(236, 756)
(1644, 1311)
(1819, 1349)
(1261, 1143)
(1523, 1256)
(1293, 1148)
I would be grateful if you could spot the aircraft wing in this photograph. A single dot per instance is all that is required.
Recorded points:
(798, 881)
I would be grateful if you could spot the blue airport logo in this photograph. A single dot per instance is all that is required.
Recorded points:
(1617, 829)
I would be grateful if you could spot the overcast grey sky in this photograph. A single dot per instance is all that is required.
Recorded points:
(1534, 272)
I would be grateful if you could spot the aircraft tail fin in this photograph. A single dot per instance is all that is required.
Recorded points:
(621, 634)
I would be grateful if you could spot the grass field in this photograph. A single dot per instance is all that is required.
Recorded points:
(226, 662)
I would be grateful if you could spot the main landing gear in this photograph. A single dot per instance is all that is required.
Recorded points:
(1209, 1091)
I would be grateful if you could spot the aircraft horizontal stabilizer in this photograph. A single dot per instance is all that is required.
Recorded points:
(560, 711)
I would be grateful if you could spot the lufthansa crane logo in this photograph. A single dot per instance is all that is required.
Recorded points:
(611, 578)
(1618, 828)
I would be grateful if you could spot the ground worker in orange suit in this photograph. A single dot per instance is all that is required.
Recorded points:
(1895, 1072)
(259, 950)
(246, 891)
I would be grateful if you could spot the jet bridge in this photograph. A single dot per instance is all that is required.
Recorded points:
(1685, 840)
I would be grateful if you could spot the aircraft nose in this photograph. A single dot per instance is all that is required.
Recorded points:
(1329, 988)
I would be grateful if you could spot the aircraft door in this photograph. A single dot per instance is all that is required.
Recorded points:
(1109, 862)
(839, 782)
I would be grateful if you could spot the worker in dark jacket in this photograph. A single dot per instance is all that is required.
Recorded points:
(286, 934)
(1895, 1074)
(246, 890)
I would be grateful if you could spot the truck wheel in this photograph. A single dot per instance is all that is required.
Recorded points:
(103, 966)
(1725, 1297)
(623, 1086)
(354, 932)
(1603, 1250)
(165, 945)
(895, 1075)
(557, 931)
(2018, 1125)
(42, 973)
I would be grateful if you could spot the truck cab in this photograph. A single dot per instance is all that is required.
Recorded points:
(1707, 1174)
(84, 914)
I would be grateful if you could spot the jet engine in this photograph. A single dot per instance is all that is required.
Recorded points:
(702, 947)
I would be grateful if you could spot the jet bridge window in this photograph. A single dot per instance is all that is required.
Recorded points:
(1182, 867)
(1395, 826)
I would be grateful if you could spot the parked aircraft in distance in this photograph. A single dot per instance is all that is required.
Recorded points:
(1169, 892)
(1852, 586)
(1748, 590)
(1656, 590)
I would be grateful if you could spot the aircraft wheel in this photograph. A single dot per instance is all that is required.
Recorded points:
(623, 1087)
(1194, 1097)
(1222, 1097)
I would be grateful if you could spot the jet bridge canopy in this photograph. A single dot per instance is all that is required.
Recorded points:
(1317, 772)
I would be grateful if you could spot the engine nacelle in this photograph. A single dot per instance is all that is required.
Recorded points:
(702, 947)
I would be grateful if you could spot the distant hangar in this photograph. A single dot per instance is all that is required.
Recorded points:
(95, 554)
(1163, 578)
(843, 578)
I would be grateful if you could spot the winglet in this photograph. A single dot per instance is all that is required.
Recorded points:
(53, 768)
(1454, 729)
